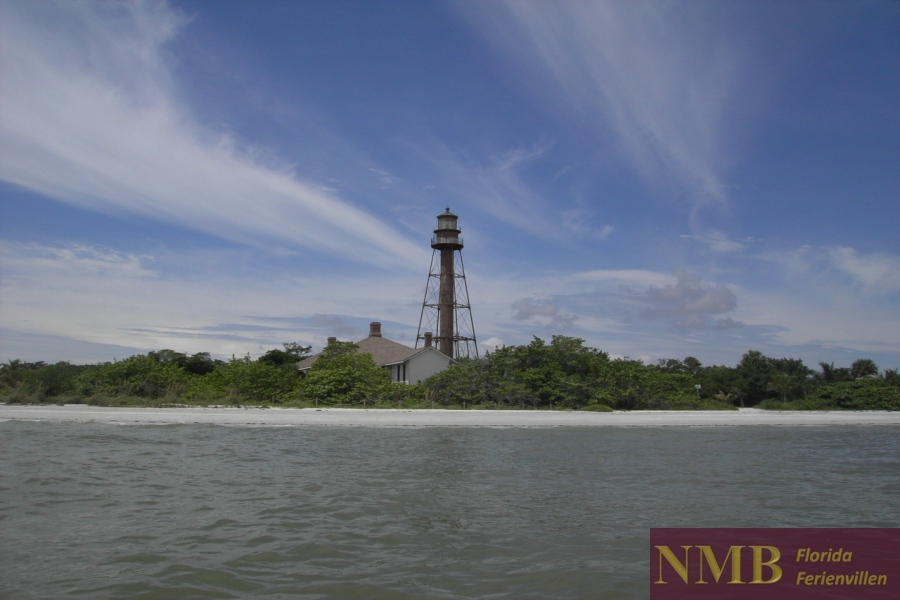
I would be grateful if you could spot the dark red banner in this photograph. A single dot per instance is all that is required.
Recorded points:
(775, 563)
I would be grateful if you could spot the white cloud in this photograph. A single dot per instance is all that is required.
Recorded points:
(578, 221)
(495, 185)
(386, 179)
(655, 73)
(90, 117)
(691, 303)
(491, 344)
(793, 263)
(833, 297)
(874, 274)
(103, 296)
(225, 302)
(877, 272)
(823, 316)
(527, 309)
(91, 261)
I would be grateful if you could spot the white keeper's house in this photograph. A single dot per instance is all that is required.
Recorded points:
(405, 364)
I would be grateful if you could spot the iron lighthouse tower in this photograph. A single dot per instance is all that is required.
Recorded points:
(446, 307)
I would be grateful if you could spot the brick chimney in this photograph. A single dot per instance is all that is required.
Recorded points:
(331, 340)
(428, 338)
(374, 329)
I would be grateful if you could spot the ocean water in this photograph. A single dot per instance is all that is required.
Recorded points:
(202, 511)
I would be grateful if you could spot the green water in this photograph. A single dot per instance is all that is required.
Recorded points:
(201, 511)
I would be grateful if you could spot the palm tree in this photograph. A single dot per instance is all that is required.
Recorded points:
(726, 398)
(830, 374)
(781, 383)
(863, 367)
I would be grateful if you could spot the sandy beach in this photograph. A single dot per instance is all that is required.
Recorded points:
(352, 417)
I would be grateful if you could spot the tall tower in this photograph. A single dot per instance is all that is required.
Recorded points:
(446, 306)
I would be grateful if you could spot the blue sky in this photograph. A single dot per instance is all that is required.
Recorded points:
(662, 179)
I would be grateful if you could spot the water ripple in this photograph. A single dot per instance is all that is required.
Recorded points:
(200, 511)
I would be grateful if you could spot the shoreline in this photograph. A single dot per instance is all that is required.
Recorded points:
(361, 417)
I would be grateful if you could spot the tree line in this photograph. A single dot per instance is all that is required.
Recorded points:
(563, 373)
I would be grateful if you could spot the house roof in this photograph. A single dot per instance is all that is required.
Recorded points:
(383, 351)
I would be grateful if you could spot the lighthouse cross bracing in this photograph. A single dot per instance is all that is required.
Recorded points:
(446, 310)
(463, 338)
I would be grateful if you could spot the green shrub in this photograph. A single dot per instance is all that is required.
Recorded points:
(342, 375)
(242, 380)
(121, 400)
(402, 395)
(19, 396)
(870, 393)
(139, 375)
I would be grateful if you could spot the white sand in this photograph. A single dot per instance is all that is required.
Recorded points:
(352, 417)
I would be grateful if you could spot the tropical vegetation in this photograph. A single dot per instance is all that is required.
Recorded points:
(562, 374)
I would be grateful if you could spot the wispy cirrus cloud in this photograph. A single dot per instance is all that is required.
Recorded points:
(718, 242)
(579, 222)
(878, 272)
(654, 73)
(91, 117)
(493, 184)
(874, 274)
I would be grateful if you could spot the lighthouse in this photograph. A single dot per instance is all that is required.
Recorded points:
(446, 309)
